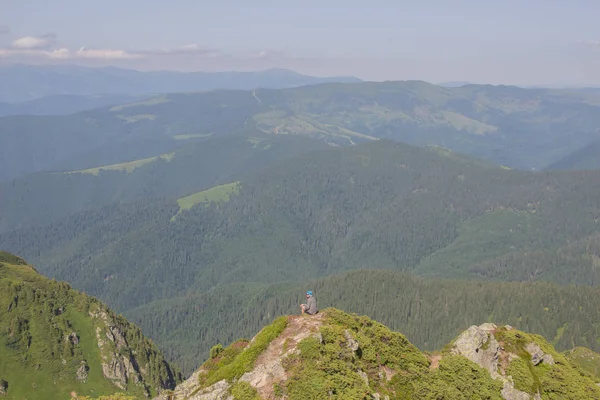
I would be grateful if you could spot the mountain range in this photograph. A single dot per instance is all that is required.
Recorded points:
(312, 214)
(515, 127)
(203, 216)
(22, 83)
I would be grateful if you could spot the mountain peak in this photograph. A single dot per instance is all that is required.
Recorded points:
(345, 356)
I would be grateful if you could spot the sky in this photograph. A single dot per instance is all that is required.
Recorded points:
(526, 42)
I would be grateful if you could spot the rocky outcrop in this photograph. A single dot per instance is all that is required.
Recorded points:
(118, 363)
(3, 387)
(363, 356)
(537, 355)
(479, 344)
(72, 338)
(82, 372)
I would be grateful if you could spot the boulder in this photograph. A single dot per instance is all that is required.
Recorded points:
(3, 387)
(82, 372)
(479, 345)
(537, 355)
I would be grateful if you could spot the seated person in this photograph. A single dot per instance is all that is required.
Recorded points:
(310, 307)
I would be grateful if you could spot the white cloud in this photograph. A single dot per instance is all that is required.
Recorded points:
(105, 54)
(60, 54)
(34, 42)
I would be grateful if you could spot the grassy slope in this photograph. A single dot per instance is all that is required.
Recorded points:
(215, 194)
(127, 167)
(586, 359)
(46, 367)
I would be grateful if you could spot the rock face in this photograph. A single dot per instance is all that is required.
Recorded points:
(479, 345)
(82, 372)
(116, 365)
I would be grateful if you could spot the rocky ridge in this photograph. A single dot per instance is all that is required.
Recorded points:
(342, 356)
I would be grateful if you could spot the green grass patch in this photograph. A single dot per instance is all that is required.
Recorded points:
(244, 391)
(130, 119)
(150, 102)
(233, 366)
(127, 167)
(586, 359)
(214, 195)
(193, 136)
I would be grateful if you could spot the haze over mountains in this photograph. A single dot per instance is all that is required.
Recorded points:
(518, 128)
(22, 83)
(201, 216)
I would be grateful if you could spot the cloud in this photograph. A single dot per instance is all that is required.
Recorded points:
(189, 49)
(34, 42)
(66, 54)
(105, 54)
(4, 30)
(275, 54)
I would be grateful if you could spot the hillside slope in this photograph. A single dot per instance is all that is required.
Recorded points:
(520, 128)
(335, 355)
(430, 312)
(585, 158)
(204, 162)
(55, 341)
(379, 205)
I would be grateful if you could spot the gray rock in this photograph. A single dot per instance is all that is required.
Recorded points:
(3, 387)
(537, 355)
(72, 338)
(479, 345)
(510, 393)
(82, 372)
(350, 342)
(364, 376)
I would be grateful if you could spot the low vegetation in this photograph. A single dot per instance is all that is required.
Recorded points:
(354, 357)
(49, 339)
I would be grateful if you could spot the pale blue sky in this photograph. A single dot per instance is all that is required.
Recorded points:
(521, 42)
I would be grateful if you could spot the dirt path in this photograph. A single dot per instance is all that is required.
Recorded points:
(268, 369)
(435, 361)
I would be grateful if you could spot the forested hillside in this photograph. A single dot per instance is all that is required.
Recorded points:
(377, 205)
(430, 312)
(41, 198)
(586, 158)
(520, 128)
(55, 341)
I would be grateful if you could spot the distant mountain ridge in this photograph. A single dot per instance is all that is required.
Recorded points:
(515, 127)
(64, 104)
(23, 82)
